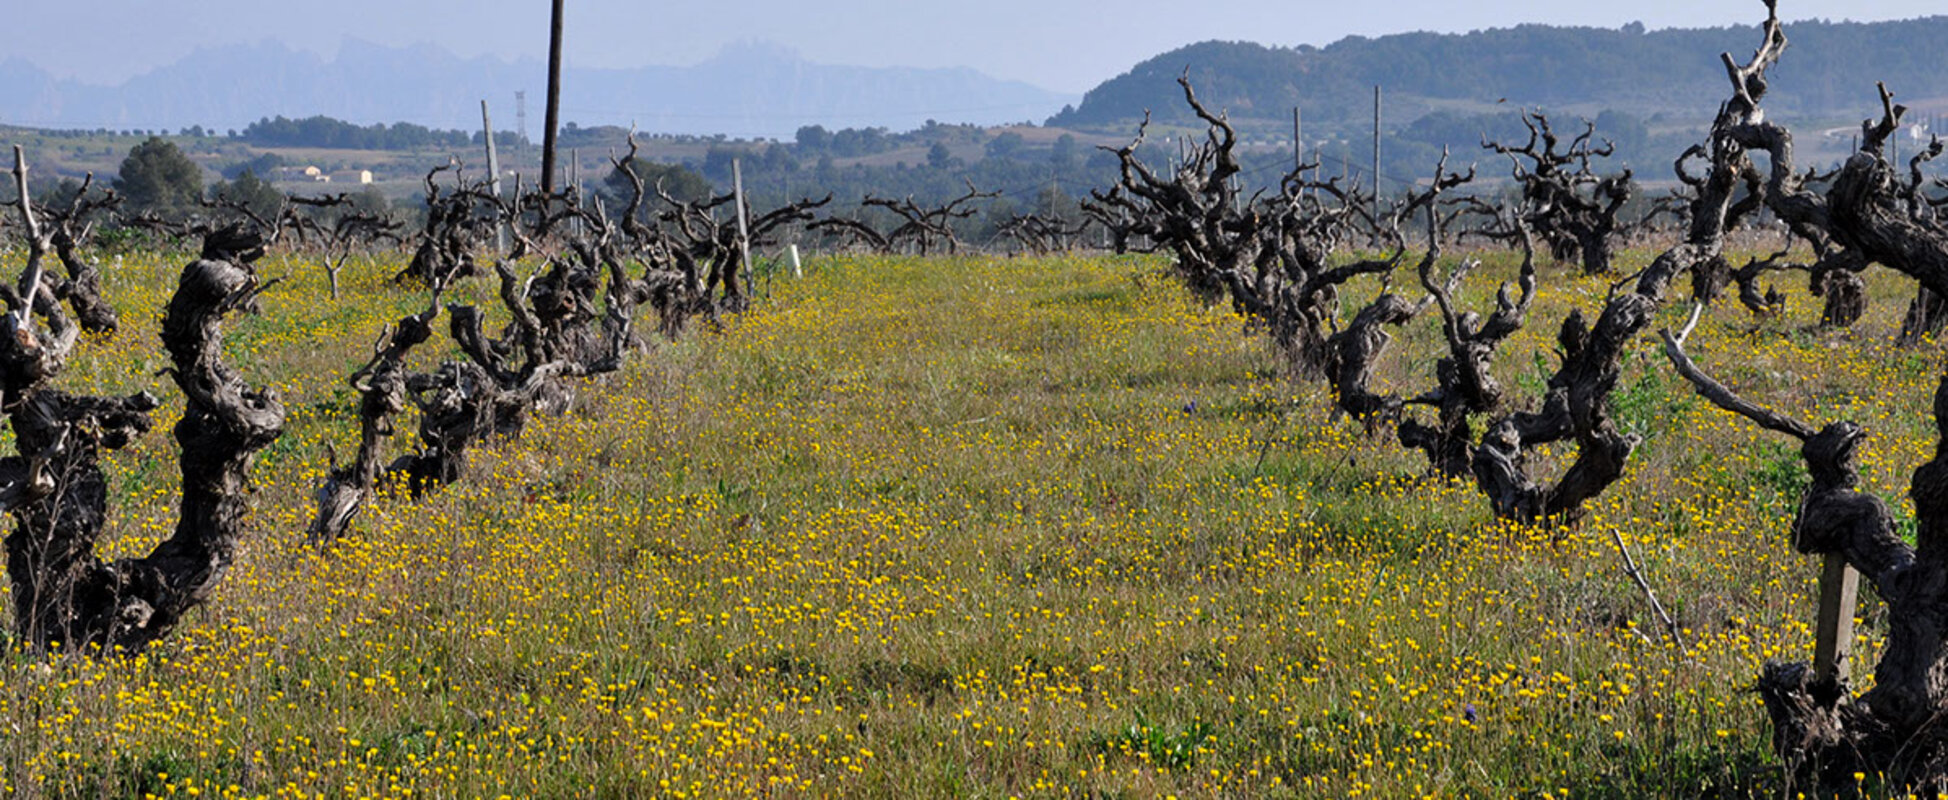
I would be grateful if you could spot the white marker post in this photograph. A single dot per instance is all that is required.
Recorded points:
(493, 176)
(743, 229)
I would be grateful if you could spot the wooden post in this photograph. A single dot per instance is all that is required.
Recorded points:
(493, 176)
(743, 229)
(575, 181)
(554, 103)
(1839, 586)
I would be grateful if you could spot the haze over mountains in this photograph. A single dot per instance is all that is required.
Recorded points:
(764, 90)
(747, 90)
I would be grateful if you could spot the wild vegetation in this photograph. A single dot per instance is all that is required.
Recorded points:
(1078, 536)
(956, 524)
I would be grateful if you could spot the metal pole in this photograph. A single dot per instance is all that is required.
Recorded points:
(493, 176)
(554, 103)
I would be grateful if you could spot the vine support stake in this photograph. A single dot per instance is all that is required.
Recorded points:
(1839, 588)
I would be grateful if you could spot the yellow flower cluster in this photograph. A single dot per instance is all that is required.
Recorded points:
(944, 527)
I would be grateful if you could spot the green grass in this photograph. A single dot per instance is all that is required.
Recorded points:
(969, 527)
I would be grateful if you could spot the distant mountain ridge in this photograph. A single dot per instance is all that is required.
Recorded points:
(1829, 72)
(752, 89)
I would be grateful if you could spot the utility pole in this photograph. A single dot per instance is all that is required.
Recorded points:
(554, 103)
(1376, 162)
(1298, 141)
(493, 174)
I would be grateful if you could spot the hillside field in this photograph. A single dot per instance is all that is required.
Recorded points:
(976, 527)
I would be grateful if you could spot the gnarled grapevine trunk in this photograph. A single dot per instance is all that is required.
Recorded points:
(1271, 258)
(1576, 406)
(1575, 409)
(1465, 384)
(381, 384)
(575, 318)
(1353, 352)
(1825, 735)
(1926, 315)
(1822, 732)
(1568, 205)
(64, 595)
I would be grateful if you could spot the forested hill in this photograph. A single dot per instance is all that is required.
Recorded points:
(1829, 73)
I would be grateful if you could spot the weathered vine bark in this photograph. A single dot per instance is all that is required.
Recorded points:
(381, 385)
(1271, 258)
(1465, 384)
(453, 230)
(1836, 278)
(73, 227)
(1571, 207)
(1823, 733)
(1576, 406)
(64, 595)
(1769, 303)
(927, 228)
(1926, 315)
(1352, 354)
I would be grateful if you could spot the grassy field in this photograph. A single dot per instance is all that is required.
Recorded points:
(974, 527)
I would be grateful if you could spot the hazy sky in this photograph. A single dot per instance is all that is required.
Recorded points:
(1065, 45)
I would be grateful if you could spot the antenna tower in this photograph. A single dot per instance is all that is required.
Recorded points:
(521, 114)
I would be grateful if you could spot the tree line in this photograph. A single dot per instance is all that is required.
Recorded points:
(323, 131)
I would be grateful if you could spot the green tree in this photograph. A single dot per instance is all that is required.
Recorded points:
(814, 138)
(251, 192)
(939, 157)
(677, 180)
(262, 164)
(1054, 204)
(370, 200)
(157, 177)
(1065, 153)
(1007, 145)
(1630, 134)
